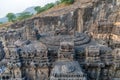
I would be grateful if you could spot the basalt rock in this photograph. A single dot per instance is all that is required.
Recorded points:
(77, 42)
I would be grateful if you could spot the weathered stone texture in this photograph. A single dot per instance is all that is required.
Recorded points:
(78, 42)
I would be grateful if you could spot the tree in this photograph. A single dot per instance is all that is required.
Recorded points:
(48, 6)
(1, 22)
(11, 17)
(44, 8)
(24, 15)
(67, 1)
(39, 9)
(57, 2)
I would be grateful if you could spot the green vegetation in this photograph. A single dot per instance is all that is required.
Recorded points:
(48, 6)
(57, 2)
(11, 17)
(39, 9)
(67, 1)
(24, 15)
(1, 23)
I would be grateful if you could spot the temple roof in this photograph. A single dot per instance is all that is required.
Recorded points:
(67, 68)
(78, 39)
(34, 46)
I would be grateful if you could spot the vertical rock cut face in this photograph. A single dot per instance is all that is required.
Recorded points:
(2, 54)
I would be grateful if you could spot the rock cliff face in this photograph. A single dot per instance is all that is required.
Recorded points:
(86, 32)
(82, 16)
(41, 25)
(102, 21)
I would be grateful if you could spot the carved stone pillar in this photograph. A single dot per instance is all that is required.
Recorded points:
(98, 73)
(80, 21)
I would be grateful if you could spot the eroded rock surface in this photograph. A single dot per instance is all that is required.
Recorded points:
(78, 42)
